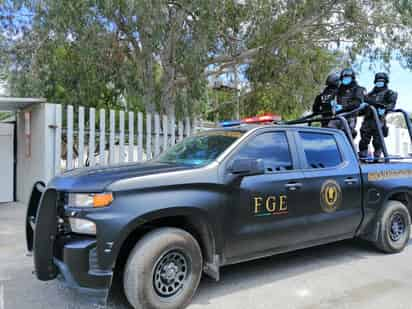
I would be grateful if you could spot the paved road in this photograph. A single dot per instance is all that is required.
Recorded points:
(348, 274)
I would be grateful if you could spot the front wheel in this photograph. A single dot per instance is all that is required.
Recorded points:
(394, 227)
(163, 270)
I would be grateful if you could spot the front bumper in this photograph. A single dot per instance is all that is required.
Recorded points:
(73, 258)
(78, 267)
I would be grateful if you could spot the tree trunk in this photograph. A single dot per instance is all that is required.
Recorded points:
(168, 58)
(149, 85)
(167, 95)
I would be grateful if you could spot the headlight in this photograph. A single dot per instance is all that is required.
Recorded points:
(95, 200)
(82, 226)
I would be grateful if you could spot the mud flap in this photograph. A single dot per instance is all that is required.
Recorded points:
(44, 236)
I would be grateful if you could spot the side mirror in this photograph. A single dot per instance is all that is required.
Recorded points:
(247, 167)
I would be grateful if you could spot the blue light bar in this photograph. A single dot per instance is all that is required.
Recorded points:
(230, 123)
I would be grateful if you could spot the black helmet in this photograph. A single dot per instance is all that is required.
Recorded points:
(333, 80)
(381, 76)
(348, 72)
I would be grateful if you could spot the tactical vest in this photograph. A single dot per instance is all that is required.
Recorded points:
(377, 97)
(346, 96)
(326, 97)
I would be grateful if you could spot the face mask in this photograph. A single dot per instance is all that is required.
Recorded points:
(346, 80)
(380, 84)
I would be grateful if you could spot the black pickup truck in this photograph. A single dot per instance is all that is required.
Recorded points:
(220, 197)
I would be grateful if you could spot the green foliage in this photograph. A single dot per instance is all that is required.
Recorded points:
(397, 120)
(5, 115)
(163, 55)
(286, 81)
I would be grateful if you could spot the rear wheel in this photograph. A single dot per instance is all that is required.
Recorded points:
(394, 227)
(163, 270)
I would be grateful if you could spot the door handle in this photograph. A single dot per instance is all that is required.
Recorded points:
(292, 186)
(351, 180)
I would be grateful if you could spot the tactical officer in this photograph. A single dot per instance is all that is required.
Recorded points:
(350, 96)
(384, 100)
(325, 100)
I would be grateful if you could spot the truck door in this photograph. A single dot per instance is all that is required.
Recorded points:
(331, 187)
(262, 214)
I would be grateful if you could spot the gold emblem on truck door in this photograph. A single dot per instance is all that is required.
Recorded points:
(270, 205)
(330, 195)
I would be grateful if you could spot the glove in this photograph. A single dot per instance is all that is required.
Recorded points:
(363, 105)
(338, 108)
(381, 111)
(333, 103)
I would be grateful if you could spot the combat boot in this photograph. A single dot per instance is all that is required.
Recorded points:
(363, 154)
(377, 155)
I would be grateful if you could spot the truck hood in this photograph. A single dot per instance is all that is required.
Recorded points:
(96, 179)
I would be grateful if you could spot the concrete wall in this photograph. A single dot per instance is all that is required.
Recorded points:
(6, 162)
(39, 165)
(398, 141)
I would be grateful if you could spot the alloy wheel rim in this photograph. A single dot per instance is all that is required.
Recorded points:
(170, 274)
(397, 227)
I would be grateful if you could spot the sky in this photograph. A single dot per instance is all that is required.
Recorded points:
(400, 80)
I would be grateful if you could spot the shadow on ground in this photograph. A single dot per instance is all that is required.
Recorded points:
(260, 272)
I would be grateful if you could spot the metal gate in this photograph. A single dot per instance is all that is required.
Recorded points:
(85, 136)
(6, 162)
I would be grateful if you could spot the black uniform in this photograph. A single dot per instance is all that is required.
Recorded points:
(323, 101)
(350, 97)
(379, 98)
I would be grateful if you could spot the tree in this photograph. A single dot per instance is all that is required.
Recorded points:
(397, 120)
(162, 55)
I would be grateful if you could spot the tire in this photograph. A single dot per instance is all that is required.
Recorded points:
(388, 240)
(163, 270)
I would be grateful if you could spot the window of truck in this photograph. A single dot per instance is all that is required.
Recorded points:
(200, 149)
(272, 148)
(321, 150)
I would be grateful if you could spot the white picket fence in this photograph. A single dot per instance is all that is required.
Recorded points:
(145, 137)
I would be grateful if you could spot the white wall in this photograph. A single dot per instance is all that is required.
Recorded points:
(39, 165)
(398, 141)
(6, 162)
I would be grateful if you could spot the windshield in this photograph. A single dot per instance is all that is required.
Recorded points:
(200, 149)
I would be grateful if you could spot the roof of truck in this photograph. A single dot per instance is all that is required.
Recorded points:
(248, 127)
